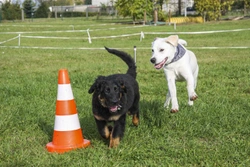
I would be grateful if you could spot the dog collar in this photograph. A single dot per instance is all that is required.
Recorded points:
(180, 52)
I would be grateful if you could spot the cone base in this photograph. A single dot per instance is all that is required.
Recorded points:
(61, 149)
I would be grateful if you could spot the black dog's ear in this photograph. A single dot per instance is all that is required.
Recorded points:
(122, 84)
(96, 85)
(92, 88)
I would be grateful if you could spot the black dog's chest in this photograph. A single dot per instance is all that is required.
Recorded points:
(105, 114)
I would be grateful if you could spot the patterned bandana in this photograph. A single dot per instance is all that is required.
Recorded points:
(179, 53)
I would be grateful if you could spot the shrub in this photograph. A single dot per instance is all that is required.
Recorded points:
(42, 11)
(11, 11)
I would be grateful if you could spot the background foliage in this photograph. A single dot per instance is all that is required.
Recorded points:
(29, 8)
(213, 10)
(11, 11)
(42, 11)
(134, 8)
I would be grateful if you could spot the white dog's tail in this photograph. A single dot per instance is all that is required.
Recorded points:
(183, 42)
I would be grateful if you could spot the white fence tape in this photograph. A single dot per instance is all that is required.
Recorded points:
(9, 40)
(139, 48)
(71, 31)
(201, 32)
(142, 35)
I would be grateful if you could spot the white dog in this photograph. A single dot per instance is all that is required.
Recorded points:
(179, 64)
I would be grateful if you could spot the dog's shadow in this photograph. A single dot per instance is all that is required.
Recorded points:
(46, 128)
(86, 120)
(152, 113)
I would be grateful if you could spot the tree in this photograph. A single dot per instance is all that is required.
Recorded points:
(246, 5)
(29, 8)
(161, 16)
(162, 2)
(11, 11)
(212, 9)
(179, 7)
(88, 2)
(134, 8)
(43, 10)
(226, 5)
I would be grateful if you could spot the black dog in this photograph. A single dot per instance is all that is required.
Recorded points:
(114, 96)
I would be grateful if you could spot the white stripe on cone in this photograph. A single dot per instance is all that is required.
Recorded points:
(66, 122)
(64, 92)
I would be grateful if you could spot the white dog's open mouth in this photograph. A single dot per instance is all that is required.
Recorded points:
(161, 64)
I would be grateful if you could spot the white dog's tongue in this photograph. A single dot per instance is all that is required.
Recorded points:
(113, 108)
(159, 65)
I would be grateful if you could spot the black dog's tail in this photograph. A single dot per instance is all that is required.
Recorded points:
(127, 59)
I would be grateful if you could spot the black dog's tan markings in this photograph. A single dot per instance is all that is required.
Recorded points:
(114, 141)
(112, 118)
(113, 97)
(135, 120)
(106, 132)
(102, 101)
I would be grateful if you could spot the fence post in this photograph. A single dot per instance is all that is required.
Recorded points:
(89, 35)
(87, 13)
(142, 36)
(135, 54)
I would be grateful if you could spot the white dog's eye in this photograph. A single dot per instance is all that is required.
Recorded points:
(152, 50)
(161, 50)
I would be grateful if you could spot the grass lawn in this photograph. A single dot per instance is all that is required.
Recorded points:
(213, 132)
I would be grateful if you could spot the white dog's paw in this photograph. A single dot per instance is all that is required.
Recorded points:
(190, 103)
(193, 97)
(174, 110)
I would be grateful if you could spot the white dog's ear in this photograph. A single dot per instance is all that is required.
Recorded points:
(173, 40)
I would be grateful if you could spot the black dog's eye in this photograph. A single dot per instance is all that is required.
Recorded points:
(161, 50)
(116, 89)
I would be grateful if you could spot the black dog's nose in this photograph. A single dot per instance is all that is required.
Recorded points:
(153, 60)
(114, 101)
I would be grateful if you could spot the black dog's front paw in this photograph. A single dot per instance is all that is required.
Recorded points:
(114, 142)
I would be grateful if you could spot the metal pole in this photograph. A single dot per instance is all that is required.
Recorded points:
(135, 54)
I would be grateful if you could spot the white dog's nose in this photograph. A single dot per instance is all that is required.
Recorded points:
(153, 60)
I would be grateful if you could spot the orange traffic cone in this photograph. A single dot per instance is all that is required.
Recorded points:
(67, 131)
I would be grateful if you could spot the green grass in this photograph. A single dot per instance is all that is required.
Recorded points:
(214, 132)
